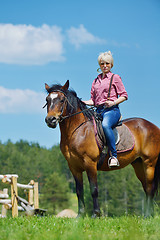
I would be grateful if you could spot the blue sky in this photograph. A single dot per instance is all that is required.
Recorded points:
(52, 41)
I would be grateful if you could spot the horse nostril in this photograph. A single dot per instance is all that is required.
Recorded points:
(50, 119)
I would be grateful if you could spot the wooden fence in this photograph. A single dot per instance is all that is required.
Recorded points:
(30, 205)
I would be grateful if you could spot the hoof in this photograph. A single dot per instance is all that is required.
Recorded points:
(81, 215)
(96, 214)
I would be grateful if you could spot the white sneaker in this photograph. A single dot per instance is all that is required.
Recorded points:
(113, 162)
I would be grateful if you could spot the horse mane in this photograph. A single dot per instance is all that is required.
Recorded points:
(74, 102)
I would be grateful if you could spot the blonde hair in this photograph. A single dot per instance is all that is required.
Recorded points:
(106, 56)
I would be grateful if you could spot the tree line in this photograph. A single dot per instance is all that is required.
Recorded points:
(120, 192)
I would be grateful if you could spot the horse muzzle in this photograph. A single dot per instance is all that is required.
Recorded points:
(51, 122)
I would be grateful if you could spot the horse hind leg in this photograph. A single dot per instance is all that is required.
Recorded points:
(145, 174)
(157, 176)
(150, 191)
(153, 181)
(152, 172)
(139, 171)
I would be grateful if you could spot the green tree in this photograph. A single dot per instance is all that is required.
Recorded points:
(55, 193)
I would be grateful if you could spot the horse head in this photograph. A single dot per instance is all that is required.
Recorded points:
(55, 102)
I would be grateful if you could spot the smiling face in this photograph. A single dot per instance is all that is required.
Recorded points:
(105, 66)
(105, 61)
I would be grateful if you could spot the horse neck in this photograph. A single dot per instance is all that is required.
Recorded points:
(69, 125)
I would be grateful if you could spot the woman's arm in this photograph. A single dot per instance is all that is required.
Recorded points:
(89, 102)
(116, 102)
(120, 100)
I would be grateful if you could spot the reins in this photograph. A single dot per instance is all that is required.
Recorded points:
(61, 118)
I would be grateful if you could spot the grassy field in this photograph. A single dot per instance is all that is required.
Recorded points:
(120, 228)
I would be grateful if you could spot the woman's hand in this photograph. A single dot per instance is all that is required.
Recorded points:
(109, 104)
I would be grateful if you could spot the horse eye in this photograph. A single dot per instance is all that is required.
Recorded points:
(62, 101)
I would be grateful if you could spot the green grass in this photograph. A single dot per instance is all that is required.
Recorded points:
(119, 228)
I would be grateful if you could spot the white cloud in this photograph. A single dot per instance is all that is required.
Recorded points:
(79, 36)
(21, 101)
(30, 45)
(26, 44)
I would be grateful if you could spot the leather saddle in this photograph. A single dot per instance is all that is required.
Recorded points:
(123, 137)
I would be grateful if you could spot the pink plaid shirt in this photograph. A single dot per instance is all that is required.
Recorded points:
(100, 87)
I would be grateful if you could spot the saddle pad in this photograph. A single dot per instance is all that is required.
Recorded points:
(124, 138)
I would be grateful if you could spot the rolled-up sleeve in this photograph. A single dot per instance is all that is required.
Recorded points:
(120, 89)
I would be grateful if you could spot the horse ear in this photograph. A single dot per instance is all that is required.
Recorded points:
(47, 87)
(66, 85)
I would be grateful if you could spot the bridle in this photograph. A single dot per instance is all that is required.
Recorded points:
(62, 118)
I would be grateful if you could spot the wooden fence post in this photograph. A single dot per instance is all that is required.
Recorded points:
(30, 197)
(14, 195)
(36, 197)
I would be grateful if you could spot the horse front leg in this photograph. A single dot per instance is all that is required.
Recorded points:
(80, 194)
(92, 177)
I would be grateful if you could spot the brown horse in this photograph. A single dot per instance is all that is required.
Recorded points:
(79, 147)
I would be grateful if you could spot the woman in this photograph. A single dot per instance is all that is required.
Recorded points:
(107, 101)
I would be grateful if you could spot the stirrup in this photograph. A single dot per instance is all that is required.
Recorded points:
(113, 162)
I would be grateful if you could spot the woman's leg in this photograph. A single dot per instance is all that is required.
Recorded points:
(110, 119)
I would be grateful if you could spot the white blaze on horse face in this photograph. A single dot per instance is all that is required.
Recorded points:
(53, 96)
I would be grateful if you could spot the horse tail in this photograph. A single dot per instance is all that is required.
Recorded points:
(157, 176)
